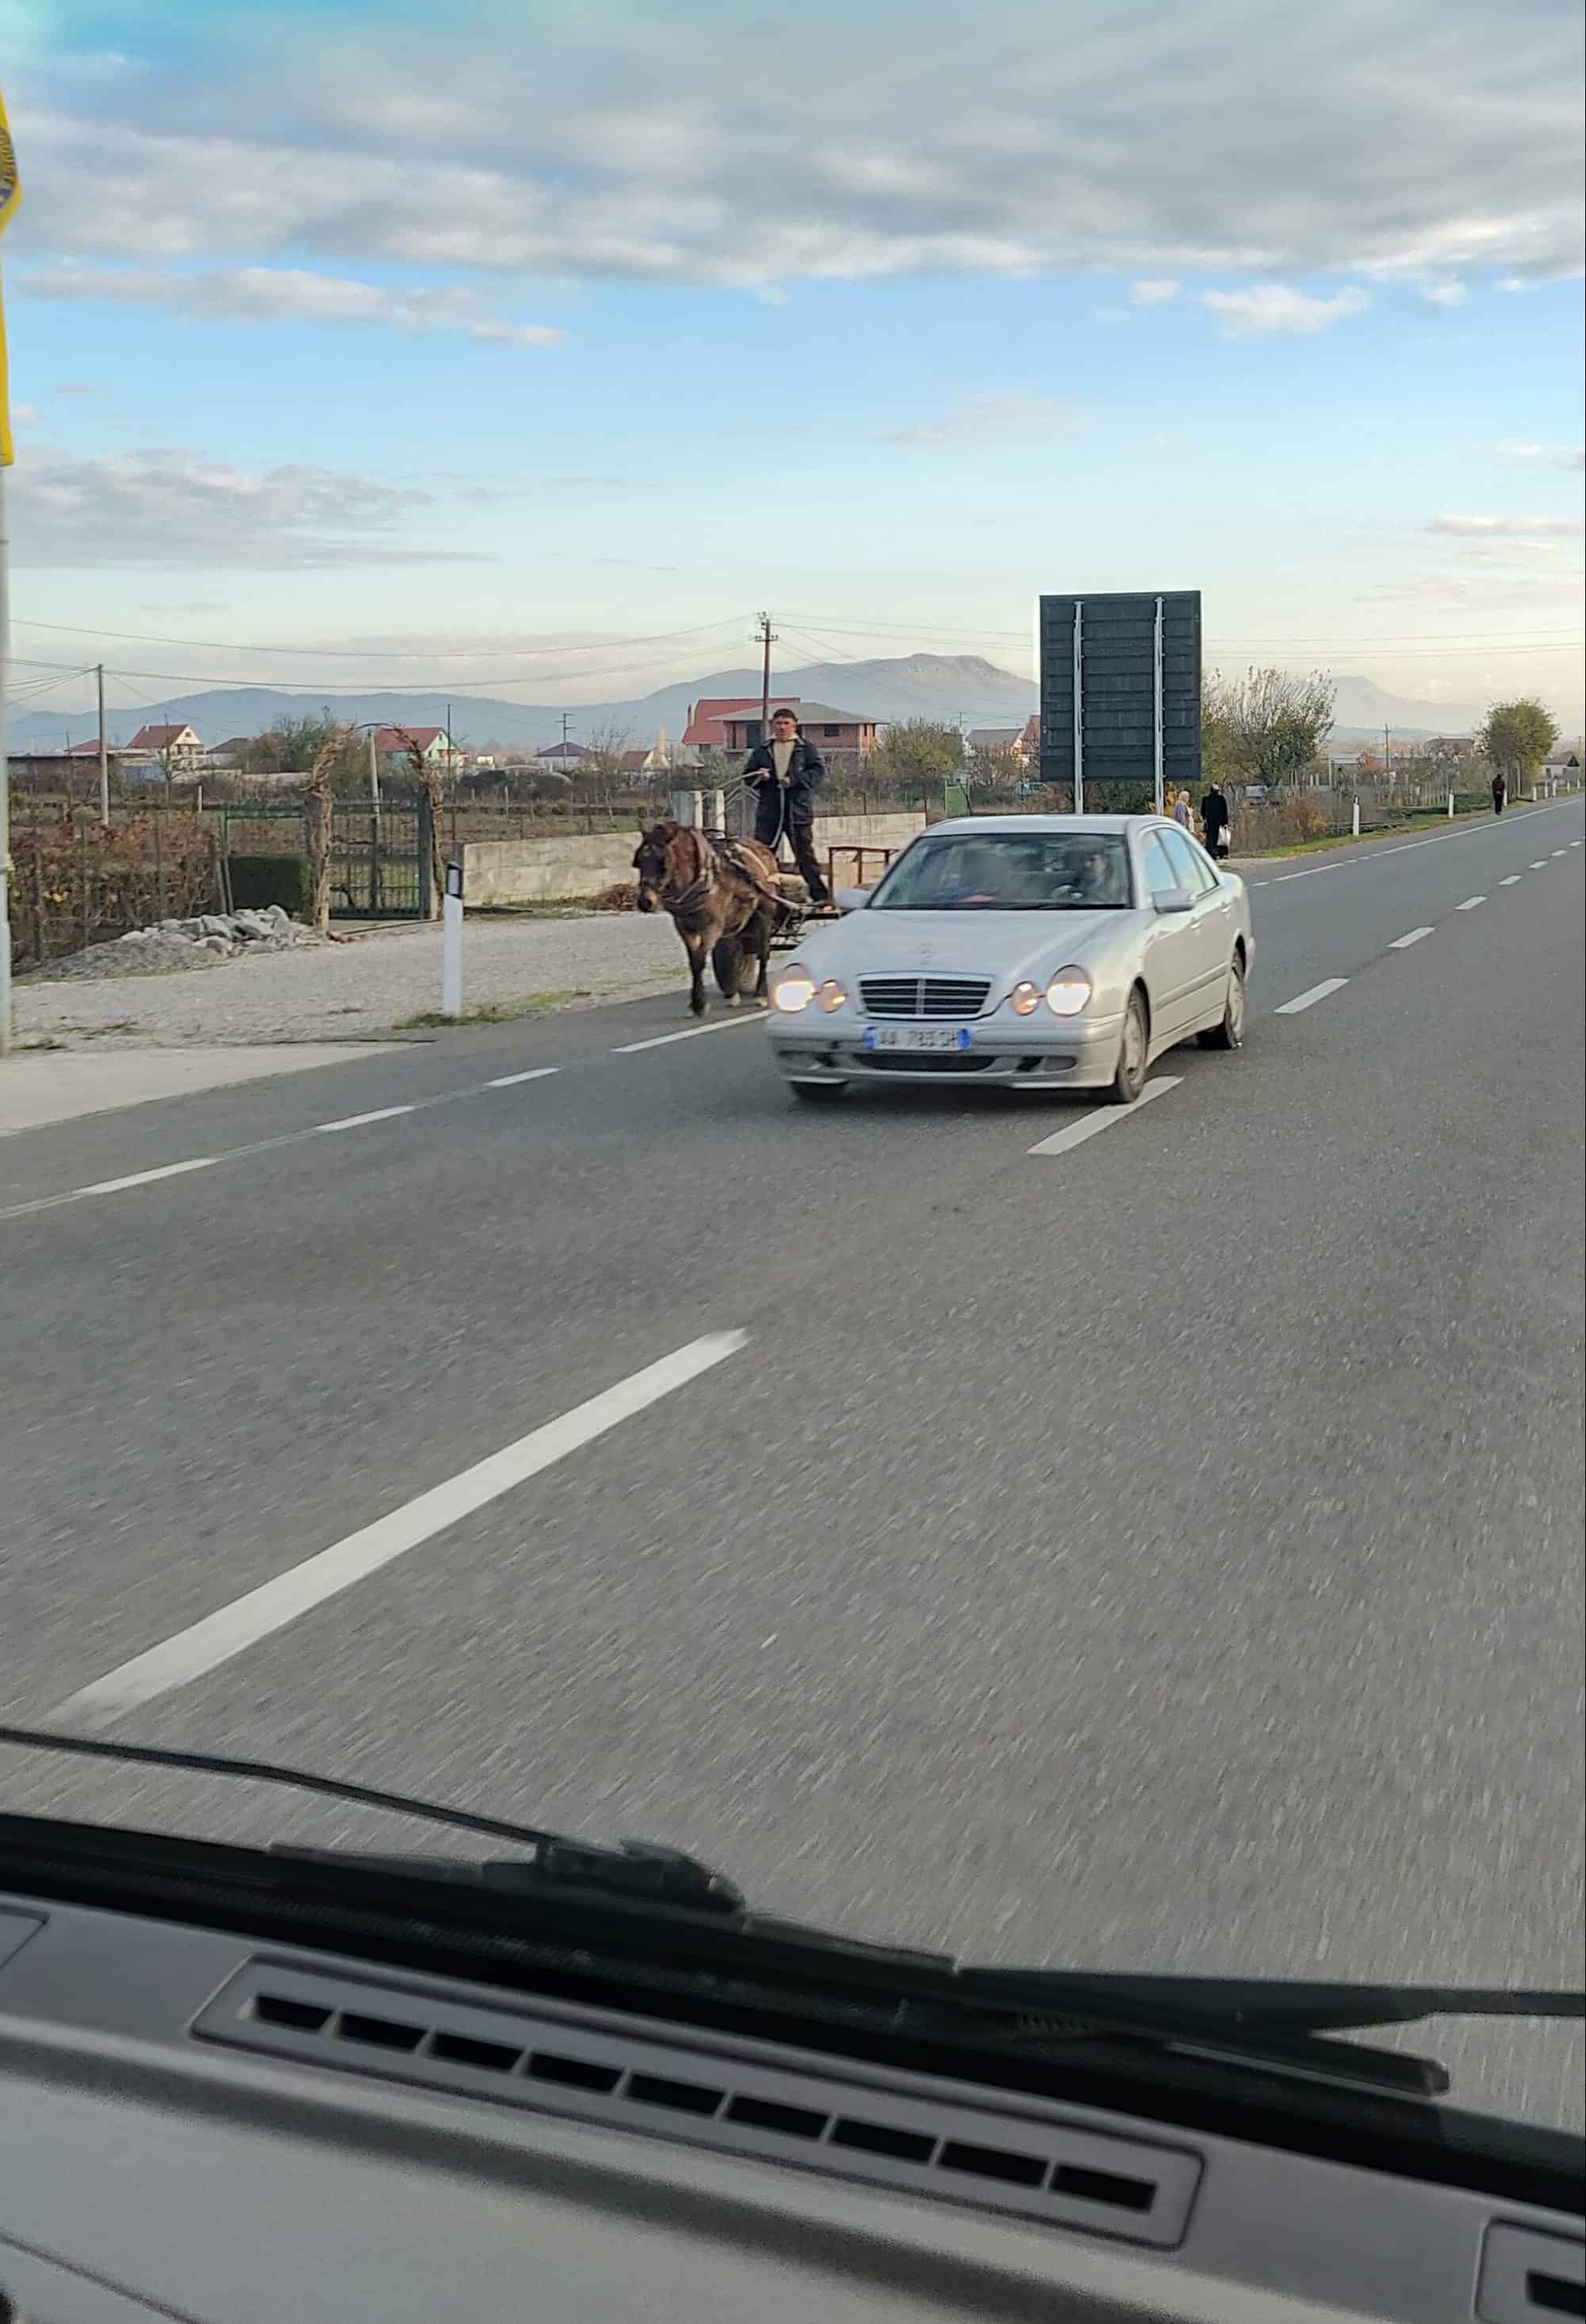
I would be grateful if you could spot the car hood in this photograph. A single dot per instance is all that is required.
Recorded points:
(1003, 945)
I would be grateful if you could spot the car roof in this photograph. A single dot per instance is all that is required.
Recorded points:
(1115, 825)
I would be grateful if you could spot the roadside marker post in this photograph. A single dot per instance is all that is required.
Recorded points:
(451, 944)
(1451, 807)
(1355, 821)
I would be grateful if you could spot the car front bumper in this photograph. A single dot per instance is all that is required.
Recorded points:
(1038, 1052)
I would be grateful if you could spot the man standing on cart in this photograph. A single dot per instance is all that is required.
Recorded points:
(785, 774)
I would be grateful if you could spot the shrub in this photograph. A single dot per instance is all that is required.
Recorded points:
(621, 898)
(257, 881)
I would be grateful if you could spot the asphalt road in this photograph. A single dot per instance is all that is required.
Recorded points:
(1166, 1553)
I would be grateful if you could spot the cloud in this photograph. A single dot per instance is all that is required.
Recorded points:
(1508, 527)
(267, 294)
(1547, 456)
(175, 508)
(992, 419)
(1273, 307)
(1444, 294)
(1153, 294)
(1151, 141)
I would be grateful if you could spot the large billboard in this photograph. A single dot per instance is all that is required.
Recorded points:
(1121, 696)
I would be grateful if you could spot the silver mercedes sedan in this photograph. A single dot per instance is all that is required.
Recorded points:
(1040, 952)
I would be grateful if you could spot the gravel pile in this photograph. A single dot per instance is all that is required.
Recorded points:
(312, 991)
(203, 942)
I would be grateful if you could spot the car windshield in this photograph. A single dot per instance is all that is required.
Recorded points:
(1011, 871)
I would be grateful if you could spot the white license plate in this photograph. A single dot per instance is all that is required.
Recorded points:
(917, 1037)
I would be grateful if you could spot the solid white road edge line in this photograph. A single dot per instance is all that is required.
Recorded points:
(220, 1636)
(1351, 860)
(1308, 998)
(1063, 1141)
(1403, 943)
(1470, 903)
(689, 1033)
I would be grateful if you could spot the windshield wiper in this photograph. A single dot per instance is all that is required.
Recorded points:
(637, 1866)
(1278, 2025)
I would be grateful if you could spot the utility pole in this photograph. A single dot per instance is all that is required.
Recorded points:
(768, 638)
(104, 752)
(1386, 758)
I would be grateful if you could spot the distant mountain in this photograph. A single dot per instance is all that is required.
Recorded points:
(955, 687)
(952, 687)
(1364, 709)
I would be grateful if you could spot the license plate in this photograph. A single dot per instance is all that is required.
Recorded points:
(917, 1037)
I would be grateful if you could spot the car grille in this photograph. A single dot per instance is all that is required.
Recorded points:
(924, 996)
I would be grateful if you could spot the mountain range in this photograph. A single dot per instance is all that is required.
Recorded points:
(960, 688)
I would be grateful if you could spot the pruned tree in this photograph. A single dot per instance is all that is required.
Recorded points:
(1267, 726)
(295, 748)
(319, 822)
(1516, 737)
(430, 777)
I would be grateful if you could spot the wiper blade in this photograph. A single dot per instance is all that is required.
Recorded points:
(637, 1866)
(1293, 2005)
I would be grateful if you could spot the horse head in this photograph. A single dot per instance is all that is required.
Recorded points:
(653, 863)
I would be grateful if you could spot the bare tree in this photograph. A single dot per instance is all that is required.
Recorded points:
(431, 778)
(320, 823)
(1267, 726)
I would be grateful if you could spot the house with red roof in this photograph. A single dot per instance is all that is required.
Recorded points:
(706, 728)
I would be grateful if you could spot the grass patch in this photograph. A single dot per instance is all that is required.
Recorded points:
(492, 1012)
(1418, 821)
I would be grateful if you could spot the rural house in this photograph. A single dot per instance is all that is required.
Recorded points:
(176, 749)
(433, 743)
(843, 737)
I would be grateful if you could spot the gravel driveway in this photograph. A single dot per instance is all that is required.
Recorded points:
(365, 988)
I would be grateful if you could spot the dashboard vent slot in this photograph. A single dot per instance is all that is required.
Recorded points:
(1528, 2277)
(1020, 2157)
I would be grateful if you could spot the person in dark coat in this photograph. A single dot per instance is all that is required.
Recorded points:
(1500, 791)
(1215, 820)
(785, 774)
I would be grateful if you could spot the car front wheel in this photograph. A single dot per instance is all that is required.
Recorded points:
(1133, 1052)
(1231, 1033)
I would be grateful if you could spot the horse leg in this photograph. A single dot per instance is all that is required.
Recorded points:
(762, 954)
(698, 949)
(727, 959)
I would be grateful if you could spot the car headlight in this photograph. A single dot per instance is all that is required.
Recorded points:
(832, 995)
(1068, 992)
(794, 989)
(1024, 999)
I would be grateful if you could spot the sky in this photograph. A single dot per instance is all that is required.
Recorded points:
(532, 346)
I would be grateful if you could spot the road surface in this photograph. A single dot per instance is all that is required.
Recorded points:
(1160, 1551)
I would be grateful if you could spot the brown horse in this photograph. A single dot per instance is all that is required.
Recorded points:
(723, 899)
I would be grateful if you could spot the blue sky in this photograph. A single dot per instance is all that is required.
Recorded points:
(460, 346)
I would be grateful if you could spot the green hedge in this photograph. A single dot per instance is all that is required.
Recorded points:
(260, 880)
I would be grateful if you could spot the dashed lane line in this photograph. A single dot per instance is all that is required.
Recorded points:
(1470, 903)
(1513, 881)
(363, 1120)
(689, 1033)
(1310, 997)
(188, 1654)
(1352, 861)
(1403, 943)
(1090, 1125)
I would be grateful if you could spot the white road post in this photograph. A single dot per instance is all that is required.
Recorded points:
(1451, 807)
(451, 944)
(1355, 821)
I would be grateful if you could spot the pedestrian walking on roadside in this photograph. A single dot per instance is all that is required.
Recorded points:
(1181, 810)
(1215, 820)
(785, 774)
(1501, 792)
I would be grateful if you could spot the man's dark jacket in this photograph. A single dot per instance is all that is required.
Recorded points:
(806, 771)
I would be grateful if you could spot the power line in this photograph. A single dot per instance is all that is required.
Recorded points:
(353, 653)
(928, 628)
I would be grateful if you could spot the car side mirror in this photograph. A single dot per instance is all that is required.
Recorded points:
(1173, 899)
(851, 900)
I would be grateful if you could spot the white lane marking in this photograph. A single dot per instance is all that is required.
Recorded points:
(1513, 881)
(1403, 943)
(511, 1081)
(689, 1033)
(147, 1177)
(1576, 843)
(360, 1120)
(1351, 860)
(1470, 903)
(1557, 852)
(1540, 864)
(1063, 1141)
(1308, 998)
(201, 1647)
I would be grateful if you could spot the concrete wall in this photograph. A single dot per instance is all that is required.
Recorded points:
(544, 870)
